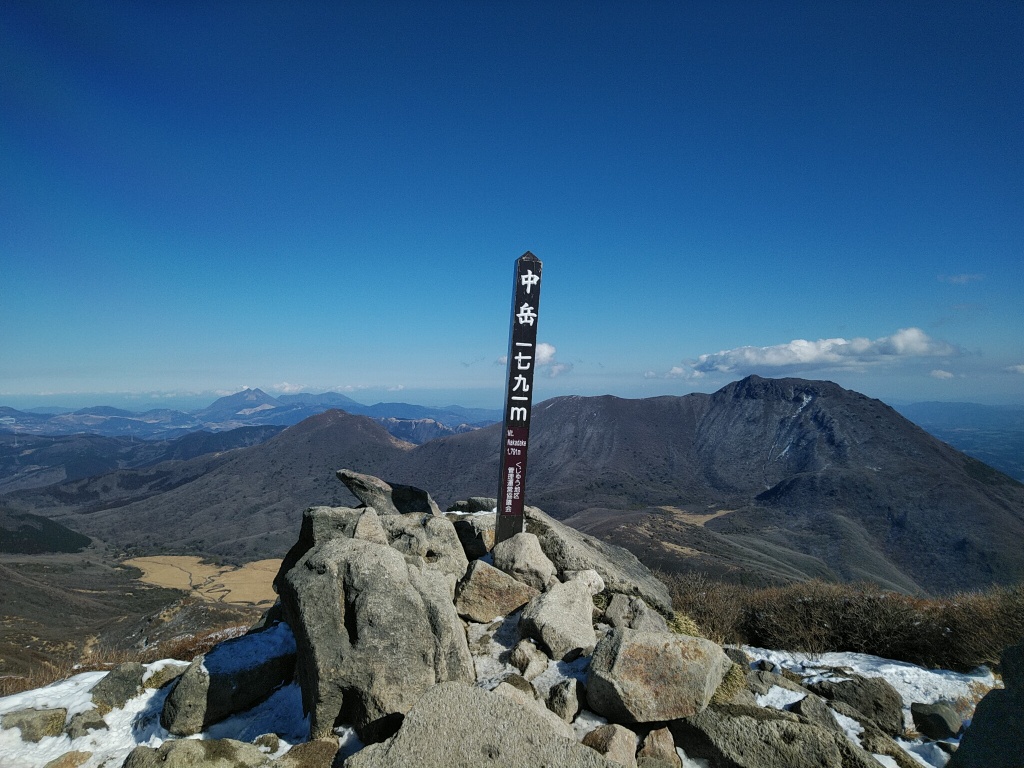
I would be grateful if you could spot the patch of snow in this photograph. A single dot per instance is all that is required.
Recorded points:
(257, 409)
(251, 650)
(281, 713)
(779, 698)
(138, 722)
(927, 753)
(806, 401)
(491, 645)
(851, 727)
(159, 666)
(558, 671)
(585, 722)
(73, 694)
(691, 762)
(348, 741)
(913, 683)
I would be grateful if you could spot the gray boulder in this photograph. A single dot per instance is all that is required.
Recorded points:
(487, 593)
(36, 724)
(232, 677)
(192, 753)
(530, 660)
(562, 620)
(321, 524)
(873, 697)
(72, 759)
(320, 753)
(428, 540)
(760, 682)
(452, 659)
(813, 709)
(616, 742)
(633, 613)
(936, 721)
(571, 550)
(520, 682)
(457, 724)
(388, 498)
(590, 577)
(529, 700)
(374, 632)
(994, 738)
(476, 532)
(644, 677)
(757, 737)
(83, 722)
(566, 698)
(658, 750)
(522, 558)
(120, 684)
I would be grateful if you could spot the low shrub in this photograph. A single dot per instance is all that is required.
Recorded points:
(184, 648)
(959, 631)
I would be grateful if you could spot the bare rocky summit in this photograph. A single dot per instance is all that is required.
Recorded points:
(372, 625)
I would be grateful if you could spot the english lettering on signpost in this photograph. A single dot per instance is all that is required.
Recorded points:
(522, 358)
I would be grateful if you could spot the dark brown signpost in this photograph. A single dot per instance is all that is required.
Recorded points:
(522, 359)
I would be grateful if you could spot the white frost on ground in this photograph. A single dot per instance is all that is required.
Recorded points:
(139, 721)
(779, 698)
(914, 684)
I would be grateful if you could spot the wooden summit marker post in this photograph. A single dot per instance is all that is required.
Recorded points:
(522, 358)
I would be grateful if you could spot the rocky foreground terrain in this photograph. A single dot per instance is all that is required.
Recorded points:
(415, 640)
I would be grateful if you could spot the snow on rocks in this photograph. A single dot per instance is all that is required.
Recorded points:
(429, 687)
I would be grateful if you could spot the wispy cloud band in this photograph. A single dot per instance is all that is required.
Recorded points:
(804, 355)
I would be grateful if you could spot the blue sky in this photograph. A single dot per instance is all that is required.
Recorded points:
(331, 196)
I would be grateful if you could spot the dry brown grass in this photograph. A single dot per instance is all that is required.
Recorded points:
(250, 584)
(184, 648)
(959, 631)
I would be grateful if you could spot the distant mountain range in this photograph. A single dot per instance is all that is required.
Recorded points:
(992, 434)
(248, 408)
(765, 480)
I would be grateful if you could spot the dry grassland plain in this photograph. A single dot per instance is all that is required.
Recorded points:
(248, 585)
(691, 518)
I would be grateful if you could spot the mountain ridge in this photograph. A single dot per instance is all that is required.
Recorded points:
(778, 479)
(249, 407)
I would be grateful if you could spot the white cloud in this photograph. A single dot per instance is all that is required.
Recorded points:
(557, 369)
(801, 355)
(683, 372)
(545, 361)
(545, 354)
(287, 388)
(938, 373)
(1016, 368)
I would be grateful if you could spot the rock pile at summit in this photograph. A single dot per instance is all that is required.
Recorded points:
(552, 648)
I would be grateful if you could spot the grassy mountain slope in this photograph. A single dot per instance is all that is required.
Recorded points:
(765, 479)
